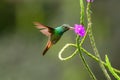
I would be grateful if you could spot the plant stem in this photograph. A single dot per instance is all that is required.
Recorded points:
(82, 12)
(63, 49)
(92, 41)
(89, 54)
(78, 38)
(83, 59)
(111, 69)
(96, 59)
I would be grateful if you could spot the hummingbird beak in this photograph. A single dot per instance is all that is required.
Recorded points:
(71, 28)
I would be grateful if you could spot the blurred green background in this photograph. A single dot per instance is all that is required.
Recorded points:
(21, 44)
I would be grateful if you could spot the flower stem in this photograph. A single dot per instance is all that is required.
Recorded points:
(92, 41)
(82, 13)
(83, 59)
(96, 59)
(111, 69)
(61, 51)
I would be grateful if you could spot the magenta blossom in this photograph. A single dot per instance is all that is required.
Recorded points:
(90, 0)
(79, 29)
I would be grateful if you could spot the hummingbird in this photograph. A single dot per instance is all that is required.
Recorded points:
(53, 34)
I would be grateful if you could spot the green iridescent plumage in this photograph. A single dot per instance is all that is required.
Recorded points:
(54, 34)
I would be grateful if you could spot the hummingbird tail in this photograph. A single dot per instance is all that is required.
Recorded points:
(49, 44)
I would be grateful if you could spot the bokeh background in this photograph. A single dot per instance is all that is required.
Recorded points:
(21, 44)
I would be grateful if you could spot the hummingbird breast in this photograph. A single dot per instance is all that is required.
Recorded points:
(55, 38)
(57, 33)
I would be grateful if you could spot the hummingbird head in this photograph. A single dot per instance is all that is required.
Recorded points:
(67, 27)
(63, 28)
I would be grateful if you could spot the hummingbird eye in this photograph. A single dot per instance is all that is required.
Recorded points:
(66, 27)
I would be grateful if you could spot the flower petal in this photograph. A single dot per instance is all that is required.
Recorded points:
(90, 0)
(79, 29)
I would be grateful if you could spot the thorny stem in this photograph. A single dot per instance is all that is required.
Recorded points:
(61, 51)
(78, 38)
(79, 47)
(92, 41)
(111, 69)
(85, 51)
(83, 59)
(96, 59)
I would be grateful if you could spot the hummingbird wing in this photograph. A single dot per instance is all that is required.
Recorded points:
(46, 30)
(48, 45)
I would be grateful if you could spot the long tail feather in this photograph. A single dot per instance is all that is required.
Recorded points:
(49, 44)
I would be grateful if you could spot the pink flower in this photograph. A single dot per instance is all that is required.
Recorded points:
(79, 29)
(90, 0)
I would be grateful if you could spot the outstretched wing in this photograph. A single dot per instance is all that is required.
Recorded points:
(44, 29)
